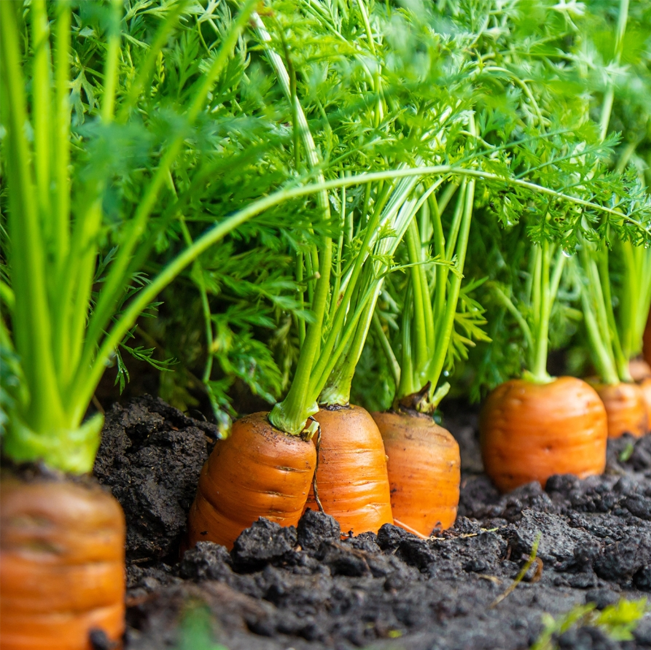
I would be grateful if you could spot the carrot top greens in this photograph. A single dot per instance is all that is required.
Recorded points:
(384, 151)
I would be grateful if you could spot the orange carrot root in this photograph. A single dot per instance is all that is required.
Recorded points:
(352, 479)
(424, 471)
(626, 409)
(639, 369)
(258, 471)
(61, 565)
(645, 387)
(531, 431)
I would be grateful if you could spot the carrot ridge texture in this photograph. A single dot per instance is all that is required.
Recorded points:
(530, 431)
(424, 470)
(352, 479)
(258, 471)
(61, 565)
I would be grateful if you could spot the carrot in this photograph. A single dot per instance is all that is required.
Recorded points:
(424, 470)
(258, 471)
(639, 369)
(641, 373)
(530, 431)
(625, 407)
(61, 565)
(647, 341)
(351, 480)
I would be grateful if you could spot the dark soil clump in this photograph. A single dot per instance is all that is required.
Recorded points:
(283, 588)
(150, 457)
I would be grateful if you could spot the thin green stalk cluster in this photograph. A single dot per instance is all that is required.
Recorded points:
(544, 278)
(603, 336)
(428, 318)
(62, 334)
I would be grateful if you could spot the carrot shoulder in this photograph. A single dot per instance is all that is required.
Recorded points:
(530, 431)
(258, 471)
(424, 470)
(352, 480)
(61, 565)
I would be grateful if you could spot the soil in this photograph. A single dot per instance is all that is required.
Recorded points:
(309, 588)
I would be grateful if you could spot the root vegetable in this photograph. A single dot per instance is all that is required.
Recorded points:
(530, 431)
(626, 409)
(61, 565)
(424, 470)
(352, 480)
(258, 471)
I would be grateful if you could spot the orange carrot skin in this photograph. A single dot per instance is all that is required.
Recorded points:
(645, 387)
(258, 471)
(352, 479)
(424, 470)
(61, 565)
(626, 409)
(647, 341)
(531, 431)
(639, 369)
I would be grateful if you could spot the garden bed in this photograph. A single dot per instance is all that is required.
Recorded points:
(308, 588)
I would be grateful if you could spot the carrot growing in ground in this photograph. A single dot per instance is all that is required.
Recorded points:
(351, 481)
(623, 398)
(57, 334)
(270, 456)
(424, 462)
(341, 299)
(614, 341)
(539, 425)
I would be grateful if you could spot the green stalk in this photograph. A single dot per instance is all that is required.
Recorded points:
(333, 375)
(383, 339)
(621, 361)
(31, 318)
(61, 156)
(515, 312)
(291, 414)
(407, 385)
(111, 68)
(421, 300)
(596, 319)
(41, 91)
(628, 319)
(337, 389)
(546, 289)
(601, 356)
(444, 334)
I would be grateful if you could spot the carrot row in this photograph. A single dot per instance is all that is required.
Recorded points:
(370, 469)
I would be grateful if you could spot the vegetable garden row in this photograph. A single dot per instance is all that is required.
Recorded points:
(328, 203)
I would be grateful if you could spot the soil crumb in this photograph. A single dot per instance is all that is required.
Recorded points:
(309, 588)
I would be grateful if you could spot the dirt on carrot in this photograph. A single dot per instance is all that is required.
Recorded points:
(305, 588)
(258, 471)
